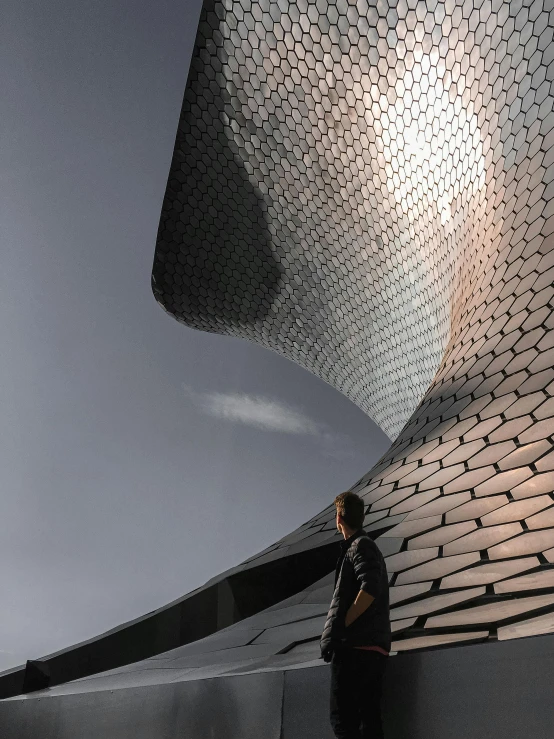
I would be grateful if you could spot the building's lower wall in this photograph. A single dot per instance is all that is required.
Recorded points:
(495, 690)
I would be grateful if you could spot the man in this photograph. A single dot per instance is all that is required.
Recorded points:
(356, 638)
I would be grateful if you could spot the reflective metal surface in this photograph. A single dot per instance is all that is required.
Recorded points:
(367, 188)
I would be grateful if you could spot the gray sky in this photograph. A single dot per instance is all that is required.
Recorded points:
(138, 458)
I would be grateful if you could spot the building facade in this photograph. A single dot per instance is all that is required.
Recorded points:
(367, 189)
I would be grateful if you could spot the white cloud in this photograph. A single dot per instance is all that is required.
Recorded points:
(257, 411)
(270, 415)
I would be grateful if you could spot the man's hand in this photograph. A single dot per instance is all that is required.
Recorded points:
(330, 649)
(361, 604)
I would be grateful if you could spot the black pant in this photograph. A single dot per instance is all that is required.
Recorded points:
(356, 685)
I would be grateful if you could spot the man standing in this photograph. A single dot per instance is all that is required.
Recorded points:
(356, 638)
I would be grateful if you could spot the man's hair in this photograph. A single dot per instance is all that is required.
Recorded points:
(351, 508)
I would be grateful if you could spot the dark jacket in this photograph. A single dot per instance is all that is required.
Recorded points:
(360, 567)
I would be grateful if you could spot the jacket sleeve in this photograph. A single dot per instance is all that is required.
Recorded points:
(367, 567)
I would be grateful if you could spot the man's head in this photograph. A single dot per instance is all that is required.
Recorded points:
(350, 513)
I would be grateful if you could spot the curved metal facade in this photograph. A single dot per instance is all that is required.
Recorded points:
(367, 188)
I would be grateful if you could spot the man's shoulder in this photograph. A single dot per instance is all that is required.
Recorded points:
(364, 543)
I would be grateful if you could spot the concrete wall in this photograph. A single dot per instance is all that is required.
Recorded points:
(474, 692)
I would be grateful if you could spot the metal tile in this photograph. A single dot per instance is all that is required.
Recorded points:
(489, 573)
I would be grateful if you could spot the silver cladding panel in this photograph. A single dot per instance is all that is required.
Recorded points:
(331, 172)
(368, 190)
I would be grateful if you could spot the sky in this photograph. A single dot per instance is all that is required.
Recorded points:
(138, 458)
